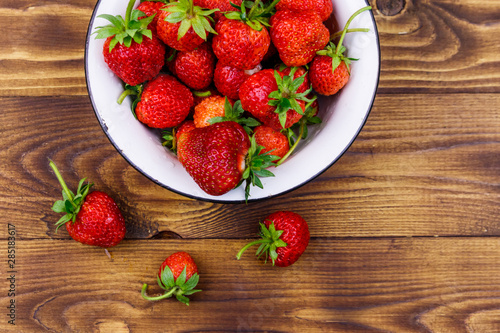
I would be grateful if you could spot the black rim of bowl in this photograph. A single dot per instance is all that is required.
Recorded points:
(214, 200)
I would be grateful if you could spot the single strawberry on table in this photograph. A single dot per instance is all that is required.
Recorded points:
(242, 39)
(329, 71)
(130, 50)
(184, 26)
(285, 236)
(298, 35)
(178, 276)
(90, 218)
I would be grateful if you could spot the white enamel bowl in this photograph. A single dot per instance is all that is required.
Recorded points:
(343, 115)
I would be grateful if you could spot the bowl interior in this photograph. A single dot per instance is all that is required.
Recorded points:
(343, 115)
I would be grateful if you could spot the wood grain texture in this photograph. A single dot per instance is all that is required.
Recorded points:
(420, 170)
(431, 46)
(347, 285)
(426, 164)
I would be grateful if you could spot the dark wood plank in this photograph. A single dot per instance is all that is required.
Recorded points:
(430, 168)
(438, 46)
(427, 46)
(341, 285)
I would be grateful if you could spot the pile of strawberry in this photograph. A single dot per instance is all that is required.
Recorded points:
(232, 84)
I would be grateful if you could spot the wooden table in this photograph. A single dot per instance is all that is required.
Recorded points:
(405, 226)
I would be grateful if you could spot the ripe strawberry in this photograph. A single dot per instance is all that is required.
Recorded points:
(194, 68)
(323, 7)
(228, 79)
(219, 157)
(242, 39)
(90, 218)
(209, 108)
(222, 5)
(298, 35)
(183, 26)
(329, 70)
(165, 102)
(275, 98)
(272, 140)
(151, 8)
(217, 109)
(285, 236)
(178, 275)
(130, 50)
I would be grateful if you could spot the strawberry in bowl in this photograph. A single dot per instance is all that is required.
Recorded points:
(318, 125)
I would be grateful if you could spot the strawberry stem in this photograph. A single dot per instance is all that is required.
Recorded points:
(338, 33)
(129, 11)
(259, 241)
(157, 298)
(290, 151)
(347, 25)
(62, 182)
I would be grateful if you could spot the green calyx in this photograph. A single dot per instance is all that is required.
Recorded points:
(125, 30)
(135, 92)
(308, 118)
(190, 16)
(286, 97)
(269, 242)
(169, 139)
(337, 52)
(256, 166)
(256, 17)
(71, 203)
(234, 113)
(180, 288)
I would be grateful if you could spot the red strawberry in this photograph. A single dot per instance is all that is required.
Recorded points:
(329, 70)
(151, 8)
(183, 26)
(194, 68)
(178, 275)
(325, 79)
(219, 157)
(222, 5)
(323, 7)
(272, 140)
(228, 79)
(90, 218)
(285, 236)
(130, 50)
(276, 99)
(165, 102)
(298, 35)
(214, 156)
(242, 40)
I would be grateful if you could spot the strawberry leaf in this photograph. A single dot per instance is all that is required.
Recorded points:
(167, 278)
(182, 299)
(191, 283)
(269, 242)
(124, 31)
(181, 279)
